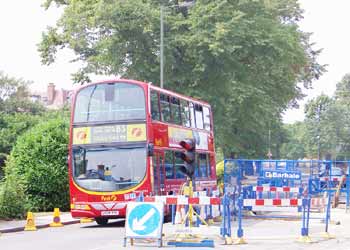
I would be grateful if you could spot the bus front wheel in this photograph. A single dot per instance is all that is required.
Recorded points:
(101, 221)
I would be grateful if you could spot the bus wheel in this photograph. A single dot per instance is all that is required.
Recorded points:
(101, 221)
(167, 218)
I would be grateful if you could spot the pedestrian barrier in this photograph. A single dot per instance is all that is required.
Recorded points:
(183, 200)
(178, 215)
(271, 187)
(198, 209)
(274, 205)
(318, 204)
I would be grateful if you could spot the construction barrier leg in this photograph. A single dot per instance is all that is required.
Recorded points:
(198, 219)
(347, 197)
(326, 234)
(225, 229)
(305, 238)
(240, 240)
(173, 214)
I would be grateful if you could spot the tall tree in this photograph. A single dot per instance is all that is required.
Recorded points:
(16, 113)
(244, 57)
(342, 98)
(293, 147)
(14, 96)
(321, 127)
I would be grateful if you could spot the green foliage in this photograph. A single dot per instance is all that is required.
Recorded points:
(320, 126)
(294, 145)
(11, 87)
(325, 131)
(12, 126)
(14, 96)
(244, 57)
(220, 171)
(12, 198)
(39, 159)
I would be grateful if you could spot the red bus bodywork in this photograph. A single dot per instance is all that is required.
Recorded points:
(164, 136)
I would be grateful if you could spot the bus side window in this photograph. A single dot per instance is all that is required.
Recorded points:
(169, 164)
(178, 163)
(185, 113)
(196, 166)
(193, 119)
(199, 115)
(175, 110)
(165, 108)
(203, 165)
(155, 106)
(209, 157)
(206, 118)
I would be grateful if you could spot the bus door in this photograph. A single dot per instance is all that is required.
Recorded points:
(159, 173)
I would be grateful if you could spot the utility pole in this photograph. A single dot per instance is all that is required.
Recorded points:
(161, 45)
(186, 4)
(269, 154)
(319, 108)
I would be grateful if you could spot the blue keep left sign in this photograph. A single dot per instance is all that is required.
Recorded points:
(144, 219)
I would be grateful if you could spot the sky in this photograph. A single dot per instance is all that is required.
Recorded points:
(22, 23)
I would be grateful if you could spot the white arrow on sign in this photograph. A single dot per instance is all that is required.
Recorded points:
(138, 225)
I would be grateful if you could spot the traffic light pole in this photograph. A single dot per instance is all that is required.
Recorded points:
(191, 211)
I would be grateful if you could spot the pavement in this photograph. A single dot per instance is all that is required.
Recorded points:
(260, 234)
(41, 220)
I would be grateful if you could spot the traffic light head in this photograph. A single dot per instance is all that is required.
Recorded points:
(189, 145)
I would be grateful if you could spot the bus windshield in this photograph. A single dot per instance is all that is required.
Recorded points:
(110, 102)
(108, 169)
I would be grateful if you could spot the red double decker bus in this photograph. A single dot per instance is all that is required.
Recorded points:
(124, 140)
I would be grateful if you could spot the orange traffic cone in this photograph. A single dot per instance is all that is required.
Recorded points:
(56, 218)
(30, 224)
(86, 220)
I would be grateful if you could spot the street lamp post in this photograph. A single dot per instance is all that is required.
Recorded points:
(186, 4)
(319, 110)
(161, 45)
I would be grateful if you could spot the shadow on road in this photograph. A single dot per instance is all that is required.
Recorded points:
(112, 223)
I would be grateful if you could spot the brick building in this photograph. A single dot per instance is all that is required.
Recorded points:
(52, 98)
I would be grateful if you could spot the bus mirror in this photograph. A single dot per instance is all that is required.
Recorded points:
(150, 150)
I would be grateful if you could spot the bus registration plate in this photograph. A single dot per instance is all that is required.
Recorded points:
(107, 213)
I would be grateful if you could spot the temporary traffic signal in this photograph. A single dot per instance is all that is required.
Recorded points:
(188, 157)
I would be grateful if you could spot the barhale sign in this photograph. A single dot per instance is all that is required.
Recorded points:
(291, 175)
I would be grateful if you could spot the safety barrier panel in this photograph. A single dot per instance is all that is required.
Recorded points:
(184, 200)
(318, 204)
(331, 178)
(276, 205)
(204, 206)
(280, 186)
(192, 205)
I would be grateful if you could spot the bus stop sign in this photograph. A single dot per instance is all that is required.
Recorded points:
(144, 220)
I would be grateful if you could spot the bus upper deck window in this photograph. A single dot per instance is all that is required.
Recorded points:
(185, 113)
(175, 110)
(199, 116)
(206, 118)
(165, 107)
(155, 106)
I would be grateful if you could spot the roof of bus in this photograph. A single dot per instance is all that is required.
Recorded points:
(169, 92)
